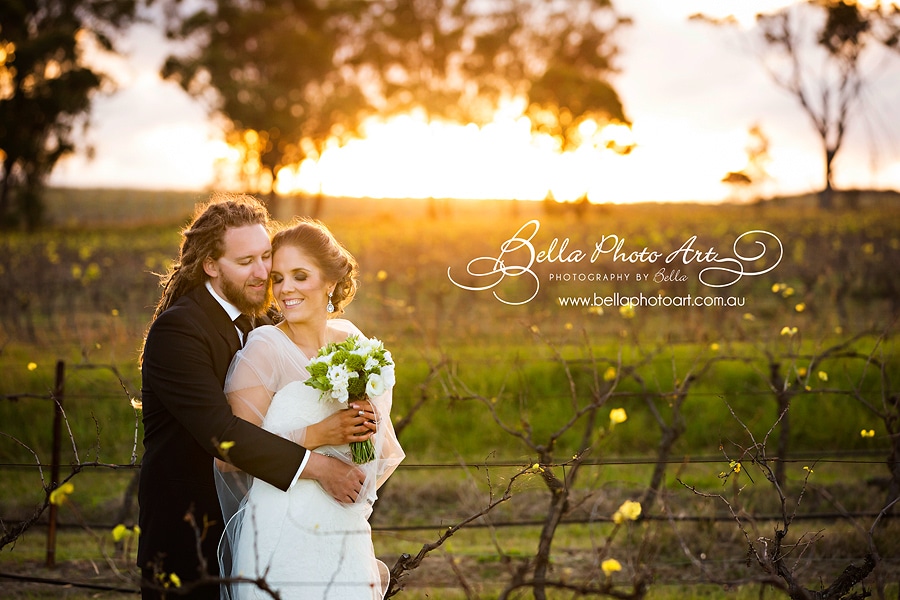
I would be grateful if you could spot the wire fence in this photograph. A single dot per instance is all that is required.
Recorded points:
(49, 520)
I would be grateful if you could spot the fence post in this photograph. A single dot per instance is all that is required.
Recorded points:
(54, 460)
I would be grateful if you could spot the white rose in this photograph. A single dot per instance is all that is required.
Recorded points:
(374, 386)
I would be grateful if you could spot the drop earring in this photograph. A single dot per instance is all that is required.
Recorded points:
(329, 308)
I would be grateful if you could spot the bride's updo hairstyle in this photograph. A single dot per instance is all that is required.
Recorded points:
(337, 264)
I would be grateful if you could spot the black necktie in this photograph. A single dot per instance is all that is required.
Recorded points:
(243, 323)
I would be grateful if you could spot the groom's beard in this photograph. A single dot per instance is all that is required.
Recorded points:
(248, 300)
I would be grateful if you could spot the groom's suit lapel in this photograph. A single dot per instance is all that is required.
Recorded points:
(223, 326)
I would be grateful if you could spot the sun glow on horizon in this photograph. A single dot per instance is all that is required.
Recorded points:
(408, 156)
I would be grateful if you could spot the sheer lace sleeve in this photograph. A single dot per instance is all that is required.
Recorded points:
(267, 363)
(248, 391)
(388, 451)
(253, 377)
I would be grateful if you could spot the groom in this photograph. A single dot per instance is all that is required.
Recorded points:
(222, 274)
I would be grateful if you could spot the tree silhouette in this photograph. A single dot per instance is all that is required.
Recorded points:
(822, 52)
(287, 78)
(46, 90)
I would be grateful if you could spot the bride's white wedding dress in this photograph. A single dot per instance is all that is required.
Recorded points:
(302, 542)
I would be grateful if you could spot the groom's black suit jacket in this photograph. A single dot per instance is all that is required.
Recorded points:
(185, 416)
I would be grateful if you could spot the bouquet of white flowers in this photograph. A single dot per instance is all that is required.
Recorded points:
(356, 368)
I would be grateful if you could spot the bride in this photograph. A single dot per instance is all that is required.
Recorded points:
(303, 543)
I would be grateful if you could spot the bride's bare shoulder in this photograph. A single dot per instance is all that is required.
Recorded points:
(343, 328)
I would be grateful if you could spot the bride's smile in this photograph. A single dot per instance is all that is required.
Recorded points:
(301, 291)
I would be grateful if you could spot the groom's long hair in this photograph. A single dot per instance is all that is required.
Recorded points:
(205, 238)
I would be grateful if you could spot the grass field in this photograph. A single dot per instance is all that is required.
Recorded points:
(485, 387)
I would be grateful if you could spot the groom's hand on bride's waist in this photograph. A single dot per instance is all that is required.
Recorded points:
(342, 481)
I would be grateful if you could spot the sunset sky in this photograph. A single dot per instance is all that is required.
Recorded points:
(692, 92)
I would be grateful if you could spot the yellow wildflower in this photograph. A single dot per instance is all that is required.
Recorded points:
(714, 347)
(609, 374)
(629, 511)
(58, 496)
(120, 532)
(823, 376)
(800, 306)
(867, 433)
(381, 275)
(790, 331)
(32, 366)
(617, 415)
(175, 579)
(627, 311)
(735, 466)
(610, 566)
